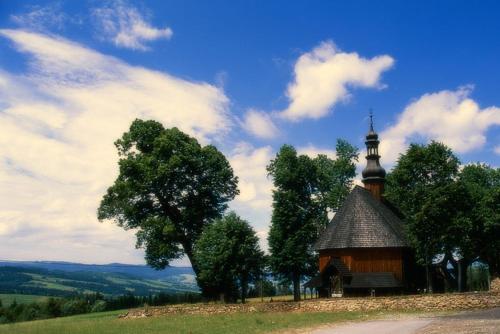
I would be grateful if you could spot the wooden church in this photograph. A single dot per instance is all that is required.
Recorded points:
(364, 249)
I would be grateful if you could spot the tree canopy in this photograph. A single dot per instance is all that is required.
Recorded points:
(305, 190)
(168, 189)
(228, 257)
(447, 211)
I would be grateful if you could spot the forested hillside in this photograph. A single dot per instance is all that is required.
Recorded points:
(63, 279)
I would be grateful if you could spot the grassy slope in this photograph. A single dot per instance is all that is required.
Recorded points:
(47, 282)
(8, 298)
(241, 323)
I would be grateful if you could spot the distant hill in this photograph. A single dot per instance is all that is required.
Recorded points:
(65, 278)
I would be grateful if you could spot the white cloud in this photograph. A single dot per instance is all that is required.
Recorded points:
(126, 27)
(260, 124)
(497, 149)
(323, 78)
(254, 203)
(41, 18)
(451, 117)
(249, 164)
(313, 151)
(58, 123)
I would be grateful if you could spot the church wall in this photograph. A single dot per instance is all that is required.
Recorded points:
(367, 259)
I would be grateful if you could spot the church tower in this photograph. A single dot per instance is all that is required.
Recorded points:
(373, 174)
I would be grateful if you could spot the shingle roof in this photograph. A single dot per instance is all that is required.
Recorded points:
(340, 266)
(363, 221)
(373, 280)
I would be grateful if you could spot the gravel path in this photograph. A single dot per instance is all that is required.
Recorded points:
(407, 326)
(473, 322)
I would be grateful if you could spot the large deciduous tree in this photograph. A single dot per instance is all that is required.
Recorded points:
(418, 173)
(448, 211)
(334, 177)
(228, 257)
(168, 189)
(293, 223)
(305, 190)
(482, 183)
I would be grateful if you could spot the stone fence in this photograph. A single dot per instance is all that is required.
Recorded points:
(431, 302)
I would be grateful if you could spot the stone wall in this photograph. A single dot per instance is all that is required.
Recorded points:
(495, 284)
(434, 302)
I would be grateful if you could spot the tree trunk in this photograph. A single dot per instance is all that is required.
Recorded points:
(296, 286)
(243, 290)
(428, 277)
(462, 265)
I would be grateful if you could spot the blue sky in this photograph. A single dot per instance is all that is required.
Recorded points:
(246, 76)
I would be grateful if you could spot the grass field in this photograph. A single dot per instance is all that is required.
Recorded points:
(241, 323)
(7, 299)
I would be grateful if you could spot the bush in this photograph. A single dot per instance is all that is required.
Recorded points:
(75, 306)
(99, 306)
(29, 312)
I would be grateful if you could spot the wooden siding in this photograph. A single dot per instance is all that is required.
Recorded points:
(366, 259)
(377, 189)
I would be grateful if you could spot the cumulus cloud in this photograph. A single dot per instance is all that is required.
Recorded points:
(58, 123)
(260, 124)
(254, 203)
(313, 151)
(125, 26)
(451, 117)
(324, 77)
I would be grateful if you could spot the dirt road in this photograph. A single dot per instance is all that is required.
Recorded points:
(474, 322)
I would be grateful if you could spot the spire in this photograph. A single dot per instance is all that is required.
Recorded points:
(373, 174)
(371, 121)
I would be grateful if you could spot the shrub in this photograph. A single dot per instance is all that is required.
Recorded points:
(75, 306)
(99, 306)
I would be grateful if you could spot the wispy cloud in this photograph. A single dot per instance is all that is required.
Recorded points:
(126, 27)
(451, 117)
(43, 18)
(324, 77)
(58, 123)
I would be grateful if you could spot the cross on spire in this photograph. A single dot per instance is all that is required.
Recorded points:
(371, 119)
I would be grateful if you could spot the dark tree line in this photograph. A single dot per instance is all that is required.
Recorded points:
(85, 303)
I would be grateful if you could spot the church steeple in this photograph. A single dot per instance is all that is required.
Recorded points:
(373, 174)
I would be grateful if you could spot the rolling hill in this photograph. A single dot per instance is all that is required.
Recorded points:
(64, 278)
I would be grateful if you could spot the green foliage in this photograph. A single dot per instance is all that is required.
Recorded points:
(169, 188)
(446, 210)
(419, 171)
(443, 224)
(294, 219)
(334, 177)
(76, 306)
(99, 306)
(482, 184)
(478, 277)
(228, 257)
(79, 304)
(305, 191)
(262, 287)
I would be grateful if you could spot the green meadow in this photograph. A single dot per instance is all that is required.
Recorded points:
(241, 323)
(8, 298)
